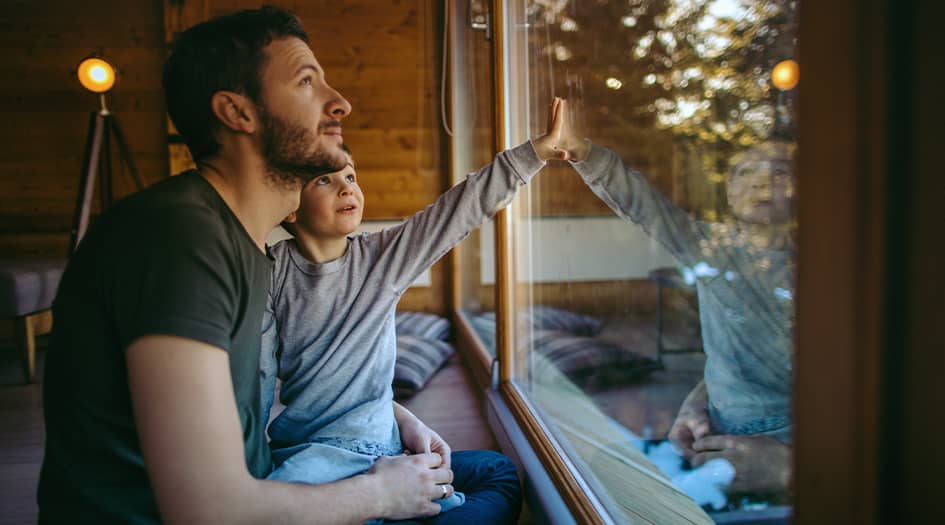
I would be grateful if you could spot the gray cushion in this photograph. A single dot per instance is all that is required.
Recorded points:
(544, 317)
(28, 286)
(422, 325)
(417, 360)
(593, 364)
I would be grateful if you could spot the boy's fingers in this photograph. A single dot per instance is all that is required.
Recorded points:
(552, 114)
(430, 459)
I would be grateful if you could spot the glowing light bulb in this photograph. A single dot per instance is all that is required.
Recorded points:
(96, 75)
(785, 75)
(613, 83)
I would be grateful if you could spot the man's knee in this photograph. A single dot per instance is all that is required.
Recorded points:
(484, 466)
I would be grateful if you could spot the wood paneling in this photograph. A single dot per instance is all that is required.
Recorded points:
(451, 405)
(45, 110)
(602, 299)
(384, 57)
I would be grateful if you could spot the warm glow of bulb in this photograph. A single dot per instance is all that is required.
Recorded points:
(613, 83)
(96, 75)
(785, 75)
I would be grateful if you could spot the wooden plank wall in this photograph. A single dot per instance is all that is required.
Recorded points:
(384, 57)
(45, 112)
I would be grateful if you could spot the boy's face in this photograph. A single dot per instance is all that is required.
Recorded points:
(331, 205)
(300, 114)
(760, 188)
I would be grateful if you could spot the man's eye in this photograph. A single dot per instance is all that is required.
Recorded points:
(307, 81)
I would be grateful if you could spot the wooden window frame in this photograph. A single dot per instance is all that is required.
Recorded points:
(865, 372)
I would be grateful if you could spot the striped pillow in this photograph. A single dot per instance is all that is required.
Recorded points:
(418, 358)
(423, 325)
(543, 317)
(484, 325)
(591, 363)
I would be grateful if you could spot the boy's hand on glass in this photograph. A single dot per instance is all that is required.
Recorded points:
(559, 141)
(762, 463)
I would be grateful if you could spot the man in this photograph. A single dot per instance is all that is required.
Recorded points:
(151, 394)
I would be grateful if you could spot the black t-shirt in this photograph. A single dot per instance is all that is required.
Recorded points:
(170, 260)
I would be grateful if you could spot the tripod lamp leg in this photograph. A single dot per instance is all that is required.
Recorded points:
(93, 146)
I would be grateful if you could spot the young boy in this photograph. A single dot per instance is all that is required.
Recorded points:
(331, 332)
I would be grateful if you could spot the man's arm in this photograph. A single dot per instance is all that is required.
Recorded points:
(762, 463)
(190, 435)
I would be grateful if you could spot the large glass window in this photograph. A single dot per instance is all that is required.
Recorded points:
(654, 280)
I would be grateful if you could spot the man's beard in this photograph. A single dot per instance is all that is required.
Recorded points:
(286, 151)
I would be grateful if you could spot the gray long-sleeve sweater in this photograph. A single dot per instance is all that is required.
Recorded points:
(331, 327)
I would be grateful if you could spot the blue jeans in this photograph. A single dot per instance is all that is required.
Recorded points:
(493, 492)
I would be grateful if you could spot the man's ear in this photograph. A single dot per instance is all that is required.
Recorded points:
(234, 111)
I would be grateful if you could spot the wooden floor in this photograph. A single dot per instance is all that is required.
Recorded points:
(448, 404)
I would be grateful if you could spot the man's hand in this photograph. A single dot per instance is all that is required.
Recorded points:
(560, 142)
(692, 422)
(407, 485)
(762, 463)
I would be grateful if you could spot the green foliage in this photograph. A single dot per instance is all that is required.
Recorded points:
(697, 70)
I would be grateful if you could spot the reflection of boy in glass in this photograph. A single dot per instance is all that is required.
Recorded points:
(742, 270)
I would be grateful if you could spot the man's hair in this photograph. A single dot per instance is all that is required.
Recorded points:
(225, 53)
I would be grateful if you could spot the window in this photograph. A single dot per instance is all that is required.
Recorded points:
(662, 285)
(472, 113)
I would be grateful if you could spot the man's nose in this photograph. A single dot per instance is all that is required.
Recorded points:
(338, 107)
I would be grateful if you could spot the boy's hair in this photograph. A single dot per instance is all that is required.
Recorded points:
(290, 227)
(225, 53)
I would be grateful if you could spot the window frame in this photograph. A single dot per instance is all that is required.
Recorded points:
(844, 325)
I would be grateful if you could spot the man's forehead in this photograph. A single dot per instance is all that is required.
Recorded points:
(288, 56)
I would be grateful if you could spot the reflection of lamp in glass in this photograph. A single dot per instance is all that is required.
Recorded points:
(98, 76)
(785, 76)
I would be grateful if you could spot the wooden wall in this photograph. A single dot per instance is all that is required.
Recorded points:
(45, 112)
(384, 57)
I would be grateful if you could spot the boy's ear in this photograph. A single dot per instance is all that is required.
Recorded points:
(234, 111)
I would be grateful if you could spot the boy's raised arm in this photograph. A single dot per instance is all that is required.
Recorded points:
(412, 247)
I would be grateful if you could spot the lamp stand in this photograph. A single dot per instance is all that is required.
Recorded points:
(97, 160)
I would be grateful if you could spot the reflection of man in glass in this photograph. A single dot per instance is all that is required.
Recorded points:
(742, 270)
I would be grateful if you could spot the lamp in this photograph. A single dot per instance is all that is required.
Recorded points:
(784, 76)
(98, 76)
